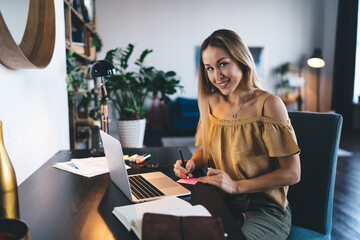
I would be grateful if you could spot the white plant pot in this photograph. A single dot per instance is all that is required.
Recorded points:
(131, 133)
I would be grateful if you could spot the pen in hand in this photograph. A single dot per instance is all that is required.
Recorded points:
(183, 162)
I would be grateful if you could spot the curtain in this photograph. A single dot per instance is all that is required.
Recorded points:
(344, 64)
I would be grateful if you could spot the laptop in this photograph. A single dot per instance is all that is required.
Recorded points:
(137, 187)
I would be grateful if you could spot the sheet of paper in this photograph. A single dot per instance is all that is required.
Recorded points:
(70, 167)
(88, 167)
(92, 165)
(191, 181)
(133, 213)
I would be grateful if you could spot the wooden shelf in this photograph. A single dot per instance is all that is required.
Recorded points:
(76, 28)
(83, 56)
(80, 18)
(88, 26)
(72, 18)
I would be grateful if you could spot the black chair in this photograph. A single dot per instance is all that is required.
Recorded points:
(311, 199)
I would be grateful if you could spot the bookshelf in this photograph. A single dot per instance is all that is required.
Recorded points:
(80, 29)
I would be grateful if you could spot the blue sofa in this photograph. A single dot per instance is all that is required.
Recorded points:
(184, 114)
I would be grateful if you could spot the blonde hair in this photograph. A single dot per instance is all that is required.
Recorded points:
(239, 52)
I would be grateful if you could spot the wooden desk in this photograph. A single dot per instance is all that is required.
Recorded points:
(60, 205)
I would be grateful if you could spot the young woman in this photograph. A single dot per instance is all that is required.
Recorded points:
(245, 135)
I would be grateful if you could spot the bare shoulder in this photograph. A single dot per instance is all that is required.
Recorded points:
(274, 107)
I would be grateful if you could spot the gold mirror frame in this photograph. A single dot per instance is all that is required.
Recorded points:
(37, 45)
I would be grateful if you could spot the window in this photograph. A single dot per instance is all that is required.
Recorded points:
(356, 94)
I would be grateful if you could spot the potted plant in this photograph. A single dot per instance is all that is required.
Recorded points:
(77, 89)
(128, 91)
(75, 78)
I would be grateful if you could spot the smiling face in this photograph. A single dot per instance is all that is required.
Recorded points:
(223, 72)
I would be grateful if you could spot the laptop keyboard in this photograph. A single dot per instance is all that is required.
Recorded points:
(142, 188)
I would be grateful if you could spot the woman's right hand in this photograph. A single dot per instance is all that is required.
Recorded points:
(181, 172)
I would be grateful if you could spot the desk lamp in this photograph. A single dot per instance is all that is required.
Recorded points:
(316, 61)
(100, 69)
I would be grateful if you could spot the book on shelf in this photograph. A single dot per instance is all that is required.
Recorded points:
(131, 215)
(78, 47)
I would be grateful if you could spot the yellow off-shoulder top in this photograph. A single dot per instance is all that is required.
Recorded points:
(248, 148)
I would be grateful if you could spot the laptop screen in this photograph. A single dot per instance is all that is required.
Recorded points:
(115, 158)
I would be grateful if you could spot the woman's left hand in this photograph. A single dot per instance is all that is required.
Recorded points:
(220, 179)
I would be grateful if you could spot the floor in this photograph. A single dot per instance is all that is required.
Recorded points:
(346, 214)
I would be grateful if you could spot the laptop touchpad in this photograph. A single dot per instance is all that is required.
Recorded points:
(163, 182)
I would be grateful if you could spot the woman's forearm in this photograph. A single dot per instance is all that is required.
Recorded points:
(287, 174)
(276, 179)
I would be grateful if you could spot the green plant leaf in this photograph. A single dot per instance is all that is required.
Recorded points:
(96, 41)
(128, 90)
(170, 74)
(143, 55)
(124, 58)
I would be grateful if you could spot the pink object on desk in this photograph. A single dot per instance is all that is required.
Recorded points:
(191, 181)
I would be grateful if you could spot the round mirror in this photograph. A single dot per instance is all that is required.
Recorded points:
(37, 41)
(15, 14)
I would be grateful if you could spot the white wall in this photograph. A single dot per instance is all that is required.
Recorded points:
(289, 30)
(329, 37)
(33, 108)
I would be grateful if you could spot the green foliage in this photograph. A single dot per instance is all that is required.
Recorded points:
(128, 90)
(75, 78)
(96, 41)
(90, 99)
(76, 86)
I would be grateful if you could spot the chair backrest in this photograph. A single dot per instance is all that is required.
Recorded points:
(311, 199)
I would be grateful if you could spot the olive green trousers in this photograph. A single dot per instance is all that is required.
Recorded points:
(265, 220)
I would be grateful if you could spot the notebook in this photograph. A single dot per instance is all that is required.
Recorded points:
(137, 187)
